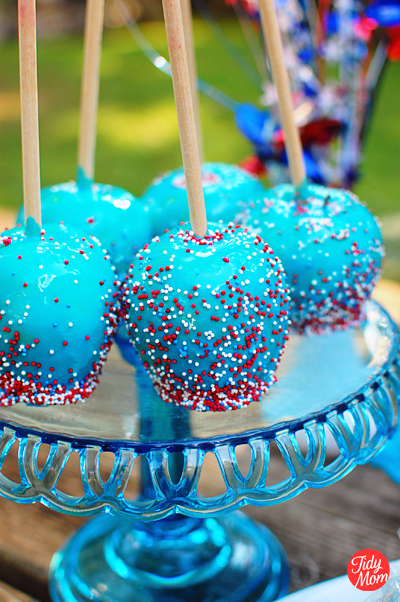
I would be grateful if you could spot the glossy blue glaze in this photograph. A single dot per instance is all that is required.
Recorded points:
(114, 216)
(58, 304)
(228, 189)
(331, 249)
(221, 305)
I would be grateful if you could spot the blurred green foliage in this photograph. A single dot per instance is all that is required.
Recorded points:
(137, 129)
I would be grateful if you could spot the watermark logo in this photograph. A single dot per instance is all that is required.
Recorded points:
(368, 570)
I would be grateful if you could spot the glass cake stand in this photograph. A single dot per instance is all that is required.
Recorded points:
(169, 543)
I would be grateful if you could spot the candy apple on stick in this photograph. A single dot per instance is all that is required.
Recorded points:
(329, 243)
(207, 305)
(227, 189)
(112, 214)
(58, 293)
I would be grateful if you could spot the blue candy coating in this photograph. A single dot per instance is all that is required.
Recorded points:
(114, 216)
(228, 189)
(58, 315)
(208, 316)
(331, 249)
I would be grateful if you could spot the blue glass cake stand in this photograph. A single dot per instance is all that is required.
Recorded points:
(169, 543)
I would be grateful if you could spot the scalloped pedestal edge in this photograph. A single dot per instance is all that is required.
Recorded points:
(178, 559)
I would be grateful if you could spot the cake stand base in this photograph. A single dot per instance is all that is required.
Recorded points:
(226, 559)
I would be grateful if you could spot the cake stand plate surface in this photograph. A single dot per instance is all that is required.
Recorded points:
(316, 373)
(344, 387)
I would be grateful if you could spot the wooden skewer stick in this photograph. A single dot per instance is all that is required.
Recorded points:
(187, 19)
(280, 76)
(94, 19)
(323, 12)
(29, 109)
(185, 113)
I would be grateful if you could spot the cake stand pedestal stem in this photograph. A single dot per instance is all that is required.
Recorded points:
(177, 559)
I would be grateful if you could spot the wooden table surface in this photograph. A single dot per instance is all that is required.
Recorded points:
(320, 529)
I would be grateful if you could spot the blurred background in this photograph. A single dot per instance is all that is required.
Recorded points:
(137, 128)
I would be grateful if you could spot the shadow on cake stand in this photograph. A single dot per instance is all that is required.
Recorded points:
(169, 543)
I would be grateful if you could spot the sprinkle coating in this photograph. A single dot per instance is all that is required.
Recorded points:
(59, 302)
(114, 216)
(228, 189)
(331, 249)
(209, 316)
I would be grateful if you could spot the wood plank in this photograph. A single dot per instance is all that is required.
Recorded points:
(29, 536)
(9, 594)
(321, 529)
